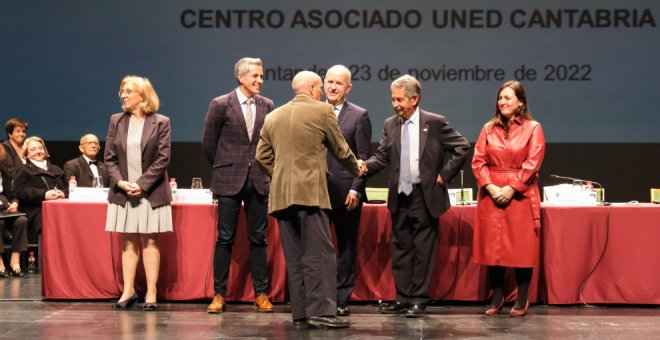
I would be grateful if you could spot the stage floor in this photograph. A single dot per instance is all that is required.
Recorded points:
(25, 315)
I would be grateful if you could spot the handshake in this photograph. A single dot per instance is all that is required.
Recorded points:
(363, 167)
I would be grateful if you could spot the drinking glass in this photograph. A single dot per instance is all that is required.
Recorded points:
(196, 183)
(97, 182)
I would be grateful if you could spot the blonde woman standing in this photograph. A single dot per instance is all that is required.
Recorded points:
(137, 154)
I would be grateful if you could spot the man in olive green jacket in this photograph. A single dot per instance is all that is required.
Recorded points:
(293, 149)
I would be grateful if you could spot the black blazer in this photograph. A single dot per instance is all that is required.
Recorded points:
(12, 162)
(7, 196)
(355, 126)
(443, 151)
(84, 176)
(33, 182)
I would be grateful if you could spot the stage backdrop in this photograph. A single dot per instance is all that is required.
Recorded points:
(590, 67)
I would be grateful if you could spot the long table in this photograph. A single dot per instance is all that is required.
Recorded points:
(614, 252)
(82, 261)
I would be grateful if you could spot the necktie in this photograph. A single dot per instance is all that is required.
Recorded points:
(405, 177)
(93, 162)
(249, 117)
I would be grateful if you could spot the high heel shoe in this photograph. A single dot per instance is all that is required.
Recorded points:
(126, 303)
(4, 273)
(150, 306)
(493, 310)
(519, 312)
(16, 272)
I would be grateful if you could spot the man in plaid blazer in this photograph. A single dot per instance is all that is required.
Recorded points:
(231, 133)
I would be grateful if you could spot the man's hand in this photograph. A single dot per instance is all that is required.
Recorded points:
(363, 167)
(351, 201)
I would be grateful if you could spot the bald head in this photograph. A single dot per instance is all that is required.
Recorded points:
(337, 84)
(89, 146)
(307, 83)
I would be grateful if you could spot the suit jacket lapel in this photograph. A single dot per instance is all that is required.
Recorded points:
(122, 129)
(259, 118)
(344, 114)
(147, 130)
(85, 166)
(397, 135)
(423, 132)
(236, 109)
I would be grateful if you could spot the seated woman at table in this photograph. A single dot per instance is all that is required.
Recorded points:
(137, 154)
(37, 181)
(16, 130)
(507, 158)
(16, 226)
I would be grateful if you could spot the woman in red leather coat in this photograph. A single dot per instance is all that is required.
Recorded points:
(507, 158)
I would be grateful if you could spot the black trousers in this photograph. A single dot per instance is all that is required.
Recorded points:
(310, 261)
(256, 211)
(346, 229)
(414, 242)
(17, 226)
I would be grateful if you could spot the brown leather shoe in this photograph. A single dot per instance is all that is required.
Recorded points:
(217, 306)
(262, 304)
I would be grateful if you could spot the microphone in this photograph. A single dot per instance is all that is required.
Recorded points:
(462, 200)
(575, 180)
(582, 181)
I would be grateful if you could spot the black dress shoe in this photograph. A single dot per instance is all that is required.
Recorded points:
(126, 303)
(328, 321)
(416, 311)
(300, 323)
(394, 308)
(149, 306)
(342, 310)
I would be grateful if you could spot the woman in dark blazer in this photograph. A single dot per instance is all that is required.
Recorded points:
(137, 154)
(38, 180)
(16, 131)
(11, 223)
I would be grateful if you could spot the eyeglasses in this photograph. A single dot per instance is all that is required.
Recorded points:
(128, 92)
(36, 148)
(90, 143)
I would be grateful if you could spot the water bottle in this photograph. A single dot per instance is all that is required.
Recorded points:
(72, 184)
(32, 263)
(173, 188)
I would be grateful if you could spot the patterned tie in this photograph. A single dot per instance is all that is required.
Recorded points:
(405, 177)
(249, 117)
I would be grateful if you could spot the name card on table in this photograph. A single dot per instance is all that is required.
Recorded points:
(569, 194)
(455, 196)
(193, 196)
(376, 195)
(83, 194)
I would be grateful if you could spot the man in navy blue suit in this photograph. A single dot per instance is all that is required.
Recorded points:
(346, 192)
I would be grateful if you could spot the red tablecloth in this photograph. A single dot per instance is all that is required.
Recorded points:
(574, 239)
(455, 276)
(82, 261)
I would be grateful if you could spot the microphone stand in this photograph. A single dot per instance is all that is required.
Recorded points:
(462, 201)
(581, 182)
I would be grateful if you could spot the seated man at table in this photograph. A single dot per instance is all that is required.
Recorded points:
(86, 167)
